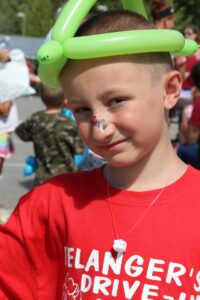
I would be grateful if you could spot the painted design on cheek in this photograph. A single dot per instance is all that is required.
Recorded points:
(101, 123)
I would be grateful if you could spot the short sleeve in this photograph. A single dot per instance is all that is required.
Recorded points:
(17, 273)
(24, 130)
(31, 247)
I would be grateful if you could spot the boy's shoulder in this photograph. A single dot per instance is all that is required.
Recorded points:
(74, 183)
(37, 115)
(86, 178)
(194, 174)
(193, 177)
(86, 181)
(65, 190)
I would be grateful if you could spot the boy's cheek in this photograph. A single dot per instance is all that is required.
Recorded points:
(84, 131)
(130, 119)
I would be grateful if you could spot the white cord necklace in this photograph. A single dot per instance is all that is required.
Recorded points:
(120, 244)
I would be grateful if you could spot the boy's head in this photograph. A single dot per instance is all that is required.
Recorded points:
(121, 20)
(129, 95)
(52, 98)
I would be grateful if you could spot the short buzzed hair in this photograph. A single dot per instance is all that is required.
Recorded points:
(122, 20)
(114, 21)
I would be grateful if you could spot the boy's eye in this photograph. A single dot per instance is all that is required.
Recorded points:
(81, 110)
(116, 101)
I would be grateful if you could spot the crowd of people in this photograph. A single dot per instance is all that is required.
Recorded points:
(130, 228)
(186, 140)
(10, 61)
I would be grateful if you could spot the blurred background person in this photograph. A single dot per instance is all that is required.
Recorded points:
(189, 150)
(163, 15)
(8, 122)
(14, 82)
(185, 66)
(8, 114)
(190, 32)
(55, 137)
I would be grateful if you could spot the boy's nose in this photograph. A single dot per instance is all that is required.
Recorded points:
(102, 129)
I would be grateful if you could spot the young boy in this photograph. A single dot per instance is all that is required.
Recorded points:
(55, 137)
(128, 230)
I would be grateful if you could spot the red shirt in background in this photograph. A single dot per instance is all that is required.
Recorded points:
(191, 61)
(195, 117)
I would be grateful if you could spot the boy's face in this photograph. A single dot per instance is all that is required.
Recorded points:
(125, 98)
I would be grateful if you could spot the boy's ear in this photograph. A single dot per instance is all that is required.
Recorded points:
(173, 85)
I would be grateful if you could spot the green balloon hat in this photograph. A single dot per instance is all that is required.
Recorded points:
(53, 54)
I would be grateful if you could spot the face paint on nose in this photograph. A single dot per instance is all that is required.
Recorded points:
(100, 123)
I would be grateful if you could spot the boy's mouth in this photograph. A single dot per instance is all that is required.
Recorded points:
(112, 145)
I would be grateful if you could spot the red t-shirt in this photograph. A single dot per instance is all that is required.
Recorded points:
(195, 117)
(57, 244)
(191, 61)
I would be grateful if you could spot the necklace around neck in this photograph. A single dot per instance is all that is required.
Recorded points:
(120, 244)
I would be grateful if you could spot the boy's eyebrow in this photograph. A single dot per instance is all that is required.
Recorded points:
(75, 101)
(113, 92)
(108, 93)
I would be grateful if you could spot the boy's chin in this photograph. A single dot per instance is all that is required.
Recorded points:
(120, 163)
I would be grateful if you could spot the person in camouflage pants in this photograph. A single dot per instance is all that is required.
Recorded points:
(55, 137)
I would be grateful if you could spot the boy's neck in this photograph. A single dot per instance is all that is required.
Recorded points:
(147, 175)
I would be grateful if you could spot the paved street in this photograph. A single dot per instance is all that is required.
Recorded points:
(14, 184)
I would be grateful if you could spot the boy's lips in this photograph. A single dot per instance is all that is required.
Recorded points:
(112, 145)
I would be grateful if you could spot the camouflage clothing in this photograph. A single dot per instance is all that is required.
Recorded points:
(56, 141)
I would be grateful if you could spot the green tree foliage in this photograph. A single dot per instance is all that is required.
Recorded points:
(28, 17)
(117, 4)
(111, 4)
(57, 3)
(187, 12)
(9, 22)
(37, 16)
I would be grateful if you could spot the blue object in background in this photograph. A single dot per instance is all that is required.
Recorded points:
(189, 153)
(67, 113)
(30, 165)
(78, 158)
